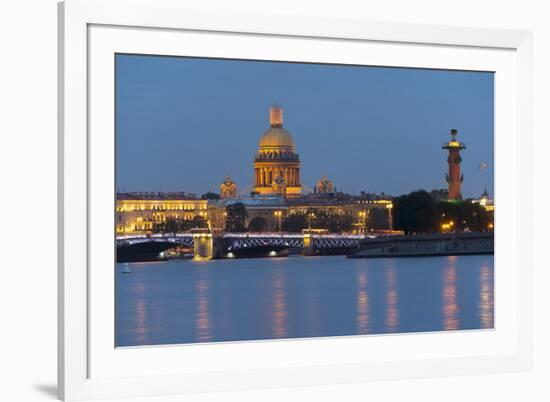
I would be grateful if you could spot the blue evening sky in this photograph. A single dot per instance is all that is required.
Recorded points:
(184, 124)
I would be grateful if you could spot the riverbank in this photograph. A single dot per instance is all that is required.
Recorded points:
(436, 245)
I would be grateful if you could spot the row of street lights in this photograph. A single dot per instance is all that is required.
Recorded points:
(363, 214)
(278, 215)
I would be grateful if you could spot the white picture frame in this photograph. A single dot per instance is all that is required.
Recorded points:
(91, 30)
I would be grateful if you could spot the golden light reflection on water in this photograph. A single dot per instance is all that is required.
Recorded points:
(450, 306)
(362, 303)
(141, 310)
(279, 316)
(312, 308)
(203, 323)
(486, 299)
(392, 312)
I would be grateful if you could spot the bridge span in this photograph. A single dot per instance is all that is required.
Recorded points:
(235, 245)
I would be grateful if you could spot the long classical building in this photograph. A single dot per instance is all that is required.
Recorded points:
(140, 212)
(367, 213)
(143, 213)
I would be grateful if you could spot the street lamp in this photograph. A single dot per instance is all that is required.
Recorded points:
(278, 215)
(390, 215)
(310, 216)
(363, 216)
(224, 220)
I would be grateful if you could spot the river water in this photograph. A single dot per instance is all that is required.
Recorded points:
(183, 301)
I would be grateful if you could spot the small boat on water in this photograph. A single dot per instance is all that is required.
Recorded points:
(126, 269)
(431, 245)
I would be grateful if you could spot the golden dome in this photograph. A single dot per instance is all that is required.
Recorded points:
(277, 137)
(277, 165)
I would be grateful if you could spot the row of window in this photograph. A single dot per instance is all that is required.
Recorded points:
(149, 218)
(161, 208)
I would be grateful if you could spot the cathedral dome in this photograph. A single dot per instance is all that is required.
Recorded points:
(276, 137)
(277, 165)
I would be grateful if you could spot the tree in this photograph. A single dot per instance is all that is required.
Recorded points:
(172, 225)
(236, 217)
(197, 222)
(257, 224)
(378, 218)
(176, 225)
(415, 212)
(333, 222)
(294, 223)
(465, 215)
(210, 196)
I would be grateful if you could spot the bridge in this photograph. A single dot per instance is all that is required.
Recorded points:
(230, 245)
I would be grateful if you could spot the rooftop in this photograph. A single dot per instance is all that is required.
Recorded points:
(138, 196)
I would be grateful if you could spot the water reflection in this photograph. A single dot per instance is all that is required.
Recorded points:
(450, 306)
(486, 300)
(279, 315)
(392, 312)
(203, 325)
(179, 302)
(141, 312)
(312, 307)
(362, 303)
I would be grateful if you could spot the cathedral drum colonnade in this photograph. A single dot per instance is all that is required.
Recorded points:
(277, 165)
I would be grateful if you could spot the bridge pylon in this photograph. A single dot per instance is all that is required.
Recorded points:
(207, 246)
(309, 248)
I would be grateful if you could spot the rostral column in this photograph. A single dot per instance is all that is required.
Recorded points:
(454, 177)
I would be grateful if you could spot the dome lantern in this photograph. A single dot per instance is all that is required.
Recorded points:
(276, 116)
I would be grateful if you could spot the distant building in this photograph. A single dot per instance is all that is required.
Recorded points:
(485, 200)
(367, 214)
(140, 212)
(228, 188)
(441, 194)
(324, 186)
(143, 213)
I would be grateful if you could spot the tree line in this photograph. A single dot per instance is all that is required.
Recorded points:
(175, 225)
(418, 212)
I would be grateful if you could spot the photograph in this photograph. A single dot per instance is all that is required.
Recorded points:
(262, 200)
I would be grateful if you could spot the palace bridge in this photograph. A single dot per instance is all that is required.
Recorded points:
(230, 245)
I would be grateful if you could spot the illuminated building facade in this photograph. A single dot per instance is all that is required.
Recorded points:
(365, 214)
(138, 213)
(228, 189)
(277, 164)
(142, 213)
(324, 186)
(486, 201)
(454, 177)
